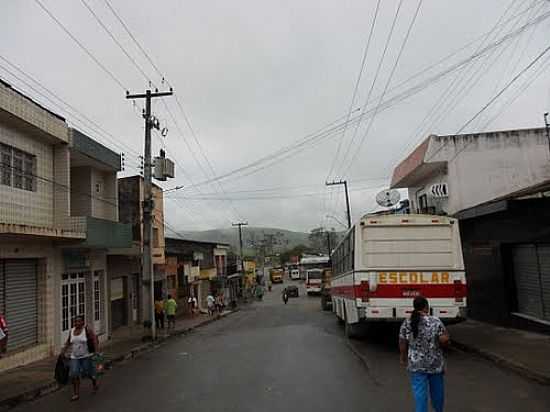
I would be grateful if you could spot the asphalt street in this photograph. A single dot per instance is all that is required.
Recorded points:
(274, 357)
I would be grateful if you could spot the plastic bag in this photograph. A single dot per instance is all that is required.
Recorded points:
(98, 361)
(61, 373)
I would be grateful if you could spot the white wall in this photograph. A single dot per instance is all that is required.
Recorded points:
(492, 165)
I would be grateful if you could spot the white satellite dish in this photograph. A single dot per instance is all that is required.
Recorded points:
(388, 198)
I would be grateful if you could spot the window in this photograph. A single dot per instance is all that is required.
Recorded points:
(98, 187)
(17, 168)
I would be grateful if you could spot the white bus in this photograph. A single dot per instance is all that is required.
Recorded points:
(384, 261)
(314, 279)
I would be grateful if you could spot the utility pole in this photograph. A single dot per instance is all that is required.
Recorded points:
(547, 125)
(345, 183)
(328, 243)
(148, 203)
(240, 225)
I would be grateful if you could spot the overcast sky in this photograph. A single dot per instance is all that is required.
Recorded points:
(256, 76)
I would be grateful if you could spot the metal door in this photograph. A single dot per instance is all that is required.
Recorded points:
(532, 276)
(20, 301)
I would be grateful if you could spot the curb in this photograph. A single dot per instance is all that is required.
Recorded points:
(516, 367)
(53, 386)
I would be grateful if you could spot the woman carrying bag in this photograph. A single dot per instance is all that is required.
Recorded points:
(81, 346)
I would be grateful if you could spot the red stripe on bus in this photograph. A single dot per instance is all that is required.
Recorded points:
(444, 290)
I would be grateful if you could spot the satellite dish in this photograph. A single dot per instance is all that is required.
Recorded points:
(388, 198)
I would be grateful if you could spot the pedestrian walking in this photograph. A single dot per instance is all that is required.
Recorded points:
(159, 314)
(3, 335)
(211, 303)
(192, 304)
(81, 345)
(220, 303)
(421, 342)
(170, 306)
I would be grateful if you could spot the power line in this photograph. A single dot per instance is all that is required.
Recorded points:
(418, 132)
(111, 35)
(84, 48)
(95, 126)
(489, 103)
(356, 88)
(390, 77)
(140, 47)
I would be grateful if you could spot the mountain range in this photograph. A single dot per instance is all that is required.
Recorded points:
(283, 239)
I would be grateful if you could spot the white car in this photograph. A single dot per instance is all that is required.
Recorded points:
(295, 274)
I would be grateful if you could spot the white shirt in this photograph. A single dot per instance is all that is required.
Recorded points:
(210, 299)
(79, 345)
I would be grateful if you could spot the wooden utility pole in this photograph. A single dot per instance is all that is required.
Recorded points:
(148, 205)
(547, 125)
(345, 183)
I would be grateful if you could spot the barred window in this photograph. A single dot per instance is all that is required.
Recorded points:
(17, 168)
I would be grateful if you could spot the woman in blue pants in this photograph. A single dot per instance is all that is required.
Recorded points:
(421, 339)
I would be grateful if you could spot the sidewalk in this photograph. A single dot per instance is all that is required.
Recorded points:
(525, 353)
(36, 379)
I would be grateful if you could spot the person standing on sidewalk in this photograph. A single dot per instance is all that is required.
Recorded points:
(159, 313)
(421, 342)
(170, 306)
(3, 335)
(211, 303)
(192, 303)
(81, 345)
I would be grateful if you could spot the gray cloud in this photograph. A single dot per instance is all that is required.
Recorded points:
(256, 76)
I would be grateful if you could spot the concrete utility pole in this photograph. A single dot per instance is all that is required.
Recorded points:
(345, 183)
(547, 125)
(240, 225)
(148, 203)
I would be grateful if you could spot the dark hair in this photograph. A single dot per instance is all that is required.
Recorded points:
(419, 303)
(169, 296)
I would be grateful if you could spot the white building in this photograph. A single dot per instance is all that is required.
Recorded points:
(498, 185)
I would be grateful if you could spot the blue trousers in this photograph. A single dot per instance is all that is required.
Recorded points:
(421, 382)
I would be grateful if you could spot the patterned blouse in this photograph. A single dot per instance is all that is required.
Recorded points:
(425, 353)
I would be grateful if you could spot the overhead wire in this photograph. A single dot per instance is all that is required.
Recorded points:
(82, 47)
(486, 105)
(77, 118)
(418, 134)
(388, 82)
(356, 88)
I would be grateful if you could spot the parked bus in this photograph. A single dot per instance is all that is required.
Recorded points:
(383, 262)
(314, 278)
(313, 262)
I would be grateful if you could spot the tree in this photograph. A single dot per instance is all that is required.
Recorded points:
(298, 250)
(318, 240)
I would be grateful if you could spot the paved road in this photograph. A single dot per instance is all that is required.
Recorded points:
(271, 357)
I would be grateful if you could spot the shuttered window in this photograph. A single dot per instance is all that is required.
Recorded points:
(532, 277)
(20, 293)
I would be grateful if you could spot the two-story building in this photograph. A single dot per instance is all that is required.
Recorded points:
(53, 233)
(130, 291)
(197, 268)
(498, 185)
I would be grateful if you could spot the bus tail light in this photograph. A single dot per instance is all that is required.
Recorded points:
(460, 291)
(364, 291)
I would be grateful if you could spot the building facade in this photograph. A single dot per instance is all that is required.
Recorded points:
(200, 268)
(52, 232)
(130, 304)
(498, 185)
